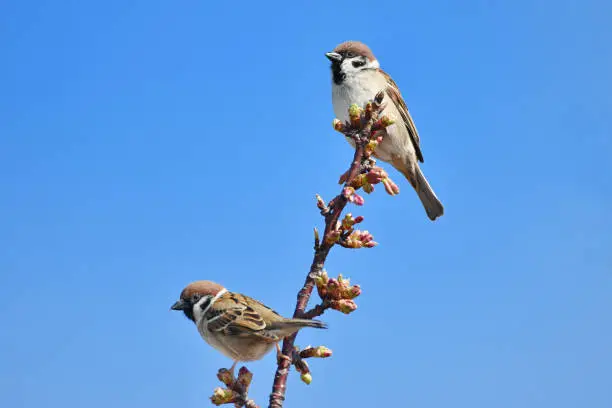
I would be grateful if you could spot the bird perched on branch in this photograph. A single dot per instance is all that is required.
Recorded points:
(238, 326)
(356, 79)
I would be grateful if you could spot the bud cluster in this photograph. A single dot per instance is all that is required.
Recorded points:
(345, 235)
(374, 176)
(309, 352)
(337, 293)
(237, 388)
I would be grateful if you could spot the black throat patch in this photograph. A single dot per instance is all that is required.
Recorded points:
(337, 73)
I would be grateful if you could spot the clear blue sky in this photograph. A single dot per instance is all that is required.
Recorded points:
(149, 144)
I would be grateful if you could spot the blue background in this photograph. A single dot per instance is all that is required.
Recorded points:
(146, 144)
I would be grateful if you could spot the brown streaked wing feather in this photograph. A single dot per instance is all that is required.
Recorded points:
(233, 315)
(393, 92)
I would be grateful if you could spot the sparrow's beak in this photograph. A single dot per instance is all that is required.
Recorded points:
(178, 305)
(334, 56)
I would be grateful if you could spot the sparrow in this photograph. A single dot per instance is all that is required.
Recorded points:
(357, 78)
(238, 326)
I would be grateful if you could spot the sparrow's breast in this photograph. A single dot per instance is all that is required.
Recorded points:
(360, 89)
(357, 89)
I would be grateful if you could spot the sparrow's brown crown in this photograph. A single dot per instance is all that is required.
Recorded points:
(202, 287)
(355, 47)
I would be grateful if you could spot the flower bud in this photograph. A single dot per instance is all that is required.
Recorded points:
(306, 378)
(390, 187)
(351, 292)
(386, 121)
(333, 289)
(225, 376)
(338, 125)
(345, 306)
(371, 146)
(356, 199)
(318, 352)
(320, 202)
(348, 221)
(358, 181)
(223, 396)
(355, 115)
(244, 377)
(347, 192)
(376, 175)
(321, 282)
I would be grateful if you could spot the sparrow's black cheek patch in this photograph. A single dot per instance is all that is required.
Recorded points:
(205, 303)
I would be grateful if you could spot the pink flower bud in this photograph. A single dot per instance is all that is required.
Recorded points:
(347, 192)
(365, 236)
(352, 292)
(358, 219)
(333, 289)
(323, 352)
(345, 306)
(390, 187)
(318, 352)
(376, 175)
(356, 199)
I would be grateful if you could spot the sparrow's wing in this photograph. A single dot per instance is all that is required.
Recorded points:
(238, 315)
(393, 92)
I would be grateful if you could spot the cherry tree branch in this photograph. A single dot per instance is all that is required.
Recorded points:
(361, 130)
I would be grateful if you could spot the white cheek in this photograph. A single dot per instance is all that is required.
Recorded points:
(347, 67)
(198, 312)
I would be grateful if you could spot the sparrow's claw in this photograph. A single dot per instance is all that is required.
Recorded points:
(232, 369)
(280, 356)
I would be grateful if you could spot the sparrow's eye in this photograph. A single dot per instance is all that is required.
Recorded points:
(350, 54)
(358, 63)
(195, 298)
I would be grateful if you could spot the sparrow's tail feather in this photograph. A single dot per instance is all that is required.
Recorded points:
(290, 326)
(433, 206)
